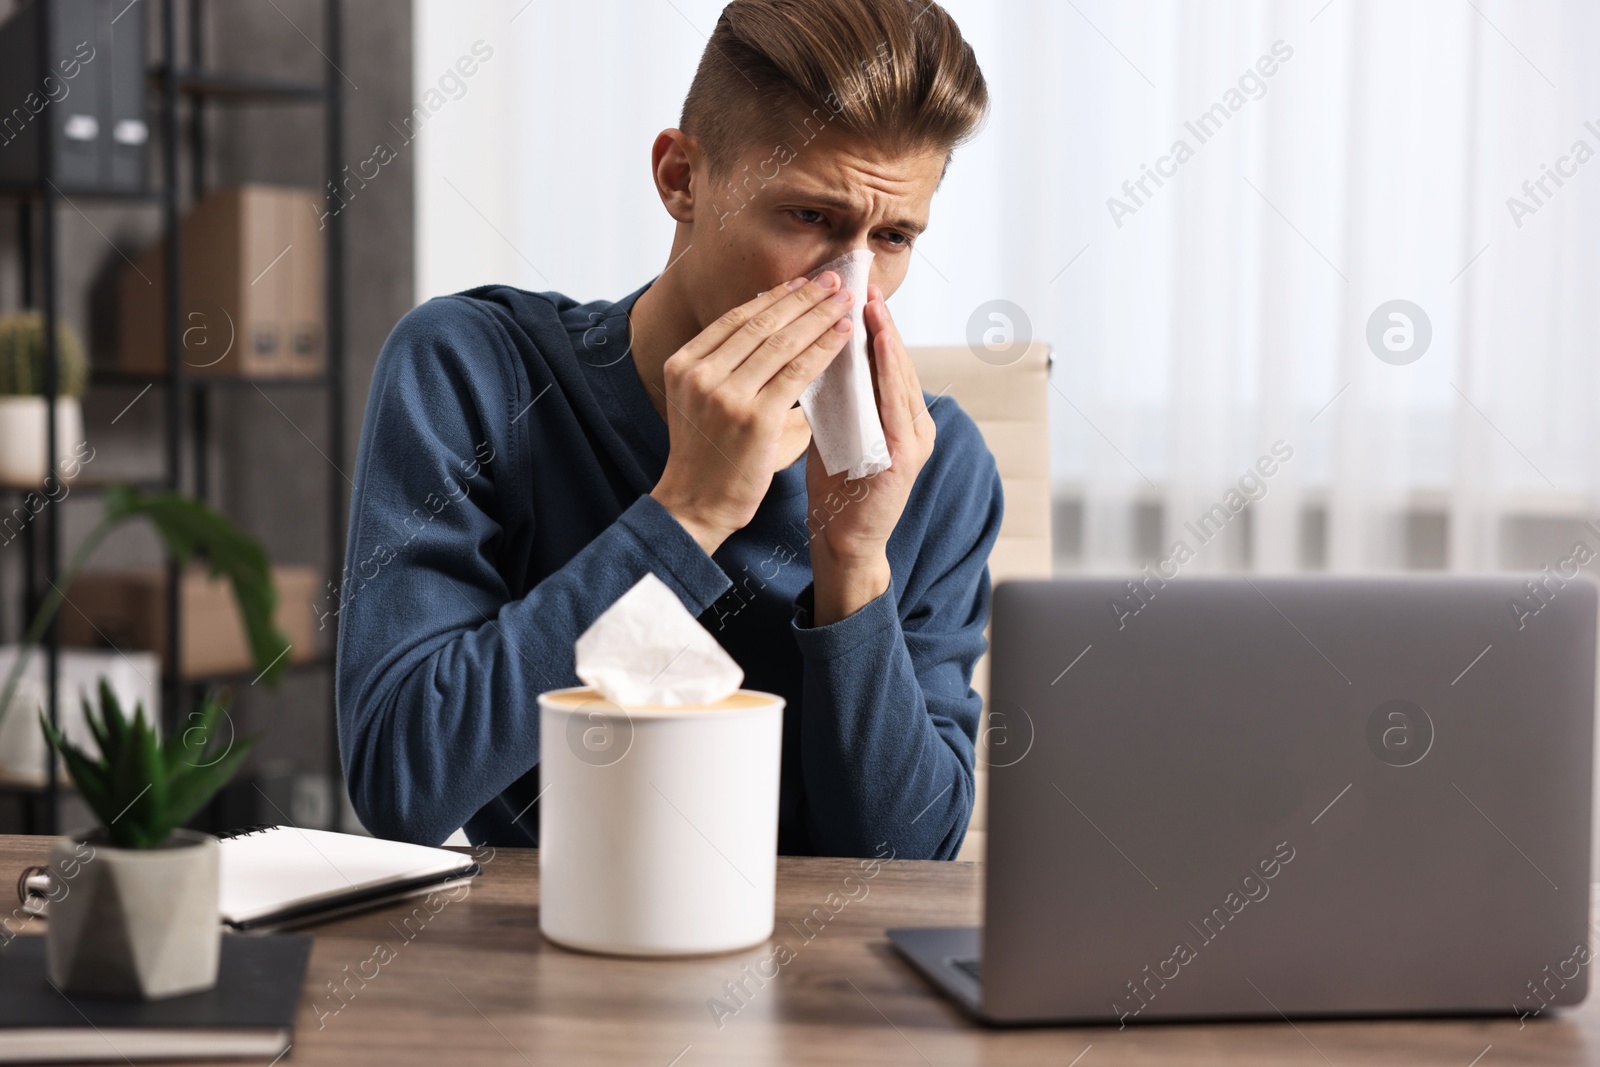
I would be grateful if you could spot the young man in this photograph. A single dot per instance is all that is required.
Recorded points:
(526, 459)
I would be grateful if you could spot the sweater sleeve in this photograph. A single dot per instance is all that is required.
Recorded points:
(439, 665)
(889, 717)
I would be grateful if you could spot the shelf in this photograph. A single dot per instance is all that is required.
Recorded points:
(182, 90)
(37, 190)
(112, 376)
(83, 483)
(250, 674)
(225, 87)
(17, 783)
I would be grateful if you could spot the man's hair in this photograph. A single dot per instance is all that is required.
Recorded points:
(895, 72)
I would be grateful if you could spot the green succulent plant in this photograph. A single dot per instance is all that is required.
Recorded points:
(22, 357)
(139, 787)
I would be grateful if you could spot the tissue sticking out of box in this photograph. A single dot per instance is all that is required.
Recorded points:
(647, 649)
(839, 403)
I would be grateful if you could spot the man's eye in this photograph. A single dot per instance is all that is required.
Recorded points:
(800, 214)
(902, 242)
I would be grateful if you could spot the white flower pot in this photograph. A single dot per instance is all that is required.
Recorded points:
(23, 460)
(134, 922)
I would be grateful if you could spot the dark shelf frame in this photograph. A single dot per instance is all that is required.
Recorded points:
(226, 86)
(249, 674)
(86, 483)
(199, 87)
(30, 192)
(112, 377)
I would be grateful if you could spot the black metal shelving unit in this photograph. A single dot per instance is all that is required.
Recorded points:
(175, 81)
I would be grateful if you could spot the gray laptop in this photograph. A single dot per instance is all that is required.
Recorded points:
(1282, 797)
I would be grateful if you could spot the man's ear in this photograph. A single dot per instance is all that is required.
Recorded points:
(672, 159)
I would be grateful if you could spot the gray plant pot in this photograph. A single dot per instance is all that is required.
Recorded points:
(134, 922)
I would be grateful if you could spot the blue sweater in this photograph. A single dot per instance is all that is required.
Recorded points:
(502, 503)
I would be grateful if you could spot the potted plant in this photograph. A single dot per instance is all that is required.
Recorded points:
(141, 916)
(23, 412)
(140, 919)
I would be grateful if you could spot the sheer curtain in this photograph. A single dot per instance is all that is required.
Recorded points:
(1337, 155)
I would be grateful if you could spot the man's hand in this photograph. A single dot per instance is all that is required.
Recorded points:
(728, 393)
(849, 557)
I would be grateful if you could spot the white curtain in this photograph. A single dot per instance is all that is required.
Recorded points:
(1204, 319)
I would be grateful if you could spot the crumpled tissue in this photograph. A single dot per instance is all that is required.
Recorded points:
(647, 649)
(839, 403)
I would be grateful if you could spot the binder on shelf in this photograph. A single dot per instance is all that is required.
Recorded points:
(306, 335)
(91, 93)
(128, 134)
(252, 267)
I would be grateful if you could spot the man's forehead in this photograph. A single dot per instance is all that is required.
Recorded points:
(839, 176)
(831, 155)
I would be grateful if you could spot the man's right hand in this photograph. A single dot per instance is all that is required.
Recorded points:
(729, 392)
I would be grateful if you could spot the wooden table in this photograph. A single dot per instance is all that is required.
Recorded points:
(475, 983)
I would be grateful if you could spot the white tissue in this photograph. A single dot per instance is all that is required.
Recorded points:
(839, 403)
(647, 649)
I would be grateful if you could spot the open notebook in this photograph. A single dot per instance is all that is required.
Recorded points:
(274, 877)
(281, 877)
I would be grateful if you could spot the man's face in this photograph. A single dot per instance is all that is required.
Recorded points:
(785, 210)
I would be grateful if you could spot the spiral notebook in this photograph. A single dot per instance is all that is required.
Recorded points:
(284, 877)
(276, 877)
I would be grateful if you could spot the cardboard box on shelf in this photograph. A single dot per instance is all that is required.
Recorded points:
(252, 295)
(128, 609)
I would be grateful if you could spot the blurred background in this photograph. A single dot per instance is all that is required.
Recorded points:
(267, 436)
(1356, 236)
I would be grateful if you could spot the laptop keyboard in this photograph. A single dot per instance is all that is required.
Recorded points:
(969, 965)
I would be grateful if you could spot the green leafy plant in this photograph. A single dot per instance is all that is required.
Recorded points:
(187, 528)
(141, 788)
(22, 357)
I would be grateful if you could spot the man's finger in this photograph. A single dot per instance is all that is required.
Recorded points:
(795, 313)
(893, 405)
(734, 319)
(902, 362)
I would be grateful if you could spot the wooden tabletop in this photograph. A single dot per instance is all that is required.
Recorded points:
(476, 983)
